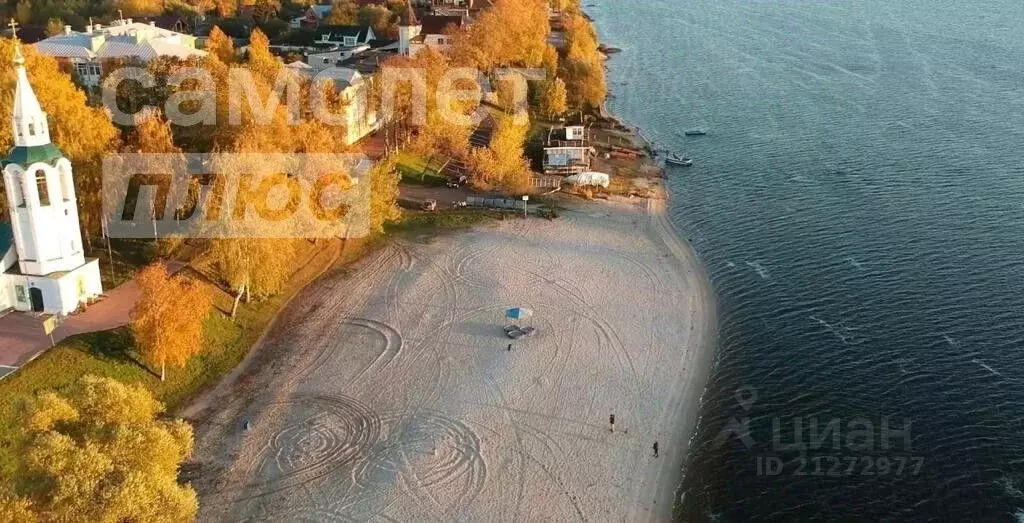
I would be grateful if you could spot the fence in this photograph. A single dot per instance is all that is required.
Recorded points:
(494, 203)
(553, 182)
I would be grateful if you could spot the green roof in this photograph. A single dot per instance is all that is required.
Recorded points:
(6, 238)
(26, 156)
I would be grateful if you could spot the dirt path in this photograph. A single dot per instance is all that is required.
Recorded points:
(390, 393)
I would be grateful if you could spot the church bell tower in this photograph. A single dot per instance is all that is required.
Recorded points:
(40, 188)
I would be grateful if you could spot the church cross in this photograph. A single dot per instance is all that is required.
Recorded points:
(14, 27)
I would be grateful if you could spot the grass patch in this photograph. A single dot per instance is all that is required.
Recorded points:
(124, 258)
(111, 354)
(446, 220)
(418, 170)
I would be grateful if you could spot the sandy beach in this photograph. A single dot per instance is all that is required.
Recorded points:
(386, 392)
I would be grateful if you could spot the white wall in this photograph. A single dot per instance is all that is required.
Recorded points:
(6, 293)
(60, 295)
(48, 238)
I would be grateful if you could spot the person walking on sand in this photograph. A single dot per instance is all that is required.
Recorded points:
(655, 449)
(510, 347)
(611, 423)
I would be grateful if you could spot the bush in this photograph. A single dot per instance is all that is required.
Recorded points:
(549, 212)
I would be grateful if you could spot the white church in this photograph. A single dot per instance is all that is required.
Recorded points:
(43, 267)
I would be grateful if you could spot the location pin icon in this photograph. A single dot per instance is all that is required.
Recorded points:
(746, 396)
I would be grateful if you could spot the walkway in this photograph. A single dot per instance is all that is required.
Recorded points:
(21, 334)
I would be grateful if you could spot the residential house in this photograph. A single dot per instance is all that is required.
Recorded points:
(345, 35)
(86, 51)
(312, 18)
(358, 116)
(415, 34)
(567, 151)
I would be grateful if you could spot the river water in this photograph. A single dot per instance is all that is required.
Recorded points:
(859, 203)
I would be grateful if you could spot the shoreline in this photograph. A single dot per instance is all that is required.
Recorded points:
(683, 250)
(610, 340)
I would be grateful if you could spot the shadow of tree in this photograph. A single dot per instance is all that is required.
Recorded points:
(112, 345)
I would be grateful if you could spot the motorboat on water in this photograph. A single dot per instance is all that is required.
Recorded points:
(675, 159)
(695, 132)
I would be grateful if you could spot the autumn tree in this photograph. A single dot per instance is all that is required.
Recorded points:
(167, 321)
(23, 12)
(254, 266)
(152, 136)
(262, 62)
(226, 8)
(383, 21)
(99, 453)
(446, 127)
(502, 165)
(550, 61)
(583, 66)
(511, 33)
(54, 27)
(264, 10)
(221, 46)
(384, 179)
(83, 133)
(344, 12)
(552, 98)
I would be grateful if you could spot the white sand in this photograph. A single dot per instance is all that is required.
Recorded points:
(389, 393)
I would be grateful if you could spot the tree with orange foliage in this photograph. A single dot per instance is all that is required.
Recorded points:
(221, 46)
(583, 66)
(344, 12)
(509, 33)
(502, 165)
(168, 319)
(226, 8)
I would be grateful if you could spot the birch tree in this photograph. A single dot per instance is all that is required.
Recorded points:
(167, 321)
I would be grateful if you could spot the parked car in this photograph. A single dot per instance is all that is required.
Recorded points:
(429, 205)
(455, 183)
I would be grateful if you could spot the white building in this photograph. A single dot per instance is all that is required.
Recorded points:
(358, 116)
(122, 39)
(42, 261)
(432, 31)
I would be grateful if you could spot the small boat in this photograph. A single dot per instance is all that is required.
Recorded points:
(678, 160)
(695, 132)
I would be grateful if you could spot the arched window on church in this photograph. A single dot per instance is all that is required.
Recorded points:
(41, 186)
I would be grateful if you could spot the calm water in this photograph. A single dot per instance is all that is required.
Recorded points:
(859, 202)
